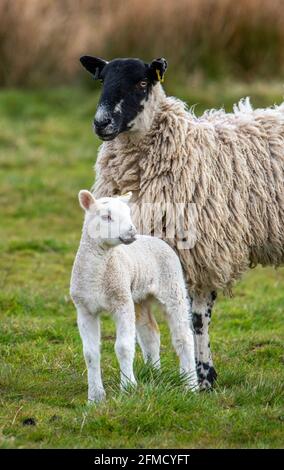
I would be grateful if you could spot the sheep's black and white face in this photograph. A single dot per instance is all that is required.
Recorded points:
(127, 85)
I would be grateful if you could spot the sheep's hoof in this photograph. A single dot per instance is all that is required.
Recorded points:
(207, 378)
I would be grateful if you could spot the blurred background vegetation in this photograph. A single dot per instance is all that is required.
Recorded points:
(40, 41)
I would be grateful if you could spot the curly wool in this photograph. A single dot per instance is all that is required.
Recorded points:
(231, 165)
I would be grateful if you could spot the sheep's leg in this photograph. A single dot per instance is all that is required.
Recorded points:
(182, 336)
(148, 334)
(201, 317)
(125, 343)
(89, 327)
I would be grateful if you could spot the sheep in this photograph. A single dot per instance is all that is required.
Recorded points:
(114, 269)
(229, 165)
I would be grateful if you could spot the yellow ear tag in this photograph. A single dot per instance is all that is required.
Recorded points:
(161, 79)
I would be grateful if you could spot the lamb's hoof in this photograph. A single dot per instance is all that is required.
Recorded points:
(97, 398)
(128, 385)
(193, 386)
(207, 377)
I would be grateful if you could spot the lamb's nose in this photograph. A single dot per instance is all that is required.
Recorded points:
(133, 231)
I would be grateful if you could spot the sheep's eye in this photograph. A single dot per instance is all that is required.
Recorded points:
(107, 217)
(143, 84)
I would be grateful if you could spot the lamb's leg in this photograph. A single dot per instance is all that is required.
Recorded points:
(89, 327)
(201, 316)
(148, 334)
(125, 342)
(182, 335)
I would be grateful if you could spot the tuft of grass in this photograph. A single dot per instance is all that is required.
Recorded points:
(46, 156)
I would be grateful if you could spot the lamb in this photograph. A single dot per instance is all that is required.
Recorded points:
(114, 269)
(229, 165)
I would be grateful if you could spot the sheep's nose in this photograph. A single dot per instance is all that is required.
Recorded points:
(102, 123)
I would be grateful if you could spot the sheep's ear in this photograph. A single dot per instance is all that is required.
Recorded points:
(86, 199)
(94, 65)
(158, 69)
(126, 197)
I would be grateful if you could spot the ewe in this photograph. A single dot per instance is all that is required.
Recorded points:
(115, 269)
(229, 165)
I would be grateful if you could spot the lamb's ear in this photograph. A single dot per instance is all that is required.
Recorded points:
(94, 65)
(126, 197)
(86, 199)
(158, 69)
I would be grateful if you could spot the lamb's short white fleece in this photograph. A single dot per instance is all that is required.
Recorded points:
(112, 274)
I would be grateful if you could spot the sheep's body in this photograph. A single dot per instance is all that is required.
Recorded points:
(231, 166)
(115, 278)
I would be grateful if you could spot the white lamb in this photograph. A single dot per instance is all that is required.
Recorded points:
(115, 269)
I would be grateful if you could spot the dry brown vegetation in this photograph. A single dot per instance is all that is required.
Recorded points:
(41, 40)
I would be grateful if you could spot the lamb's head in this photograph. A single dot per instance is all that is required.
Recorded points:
(127, 85)
(108, 219)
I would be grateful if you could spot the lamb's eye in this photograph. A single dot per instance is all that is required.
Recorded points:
(142, 84)
(107, 217)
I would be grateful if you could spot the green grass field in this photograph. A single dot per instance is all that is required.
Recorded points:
(47, 151)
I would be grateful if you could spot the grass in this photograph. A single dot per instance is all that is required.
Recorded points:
(47, 151)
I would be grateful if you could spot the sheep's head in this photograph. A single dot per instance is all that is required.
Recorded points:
(126, 87)
(108, 219)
